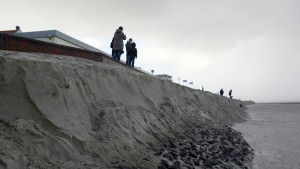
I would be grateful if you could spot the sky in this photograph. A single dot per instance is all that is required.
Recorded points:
(251, 47)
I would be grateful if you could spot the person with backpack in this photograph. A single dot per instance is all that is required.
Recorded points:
(132, 54)
(118, 44)
(230, 92)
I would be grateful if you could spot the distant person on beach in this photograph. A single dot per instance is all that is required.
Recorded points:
(128, 46)
(118, 44)
(132, 54)
(221, 92)
(230, 92)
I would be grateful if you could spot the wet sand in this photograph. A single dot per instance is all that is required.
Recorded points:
(273, 131)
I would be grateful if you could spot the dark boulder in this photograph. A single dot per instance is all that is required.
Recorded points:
(176, 165)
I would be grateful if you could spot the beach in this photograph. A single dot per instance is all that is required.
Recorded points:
(273, 132)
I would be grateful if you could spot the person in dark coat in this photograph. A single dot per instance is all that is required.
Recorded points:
(118, 44)
(230, 92)
(128, 46)
(221, 92)
(132, 54)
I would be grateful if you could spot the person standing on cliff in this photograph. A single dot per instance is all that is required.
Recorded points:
(132, 54)
(221, 92)
(230, 92)
(118, 44)
(128, 46)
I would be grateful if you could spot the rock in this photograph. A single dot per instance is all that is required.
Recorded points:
(146, 159)
(216, 148)
(3, 164)
(186, 148)
(176, 165)
(183, 153)
(172, 144)
(158, 153)
(126, 167)
(165, 163)
(217, 167)
(168, 156)
(174, 155)
(193, 155)
(188, 167)
(161, 167)
(196, 162)
(207, 163)
(198, 153)
(228, 150)
(187, 162)
(174, 150)
(210, 141)
(162, 149)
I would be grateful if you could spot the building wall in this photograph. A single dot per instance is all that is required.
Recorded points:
(16, 43)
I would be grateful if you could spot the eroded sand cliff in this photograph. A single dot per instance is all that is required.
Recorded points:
(59, 111)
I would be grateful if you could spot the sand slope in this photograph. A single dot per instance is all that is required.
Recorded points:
(59, 111)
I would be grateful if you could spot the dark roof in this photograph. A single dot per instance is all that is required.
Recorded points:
(56, 33)
(160, 75)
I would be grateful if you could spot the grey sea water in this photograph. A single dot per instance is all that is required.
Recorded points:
(273, 131)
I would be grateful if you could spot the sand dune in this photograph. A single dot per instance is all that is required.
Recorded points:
(59, 111)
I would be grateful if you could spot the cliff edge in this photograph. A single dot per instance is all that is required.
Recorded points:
(59, 111)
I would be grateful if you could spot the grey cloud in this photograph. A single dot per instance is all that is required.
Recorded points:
(248, 46)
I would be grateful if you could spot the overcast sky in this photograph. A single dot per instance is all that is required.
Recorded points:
(249, 46)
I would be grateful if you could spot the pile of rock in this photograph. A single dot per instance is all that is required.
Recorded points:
(215, 148)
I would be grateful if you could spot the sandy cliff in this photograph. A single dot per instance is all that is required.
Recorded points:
(59, 111)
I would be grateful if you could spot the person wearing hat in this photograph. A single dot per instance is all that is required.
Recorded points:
(118, 44)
